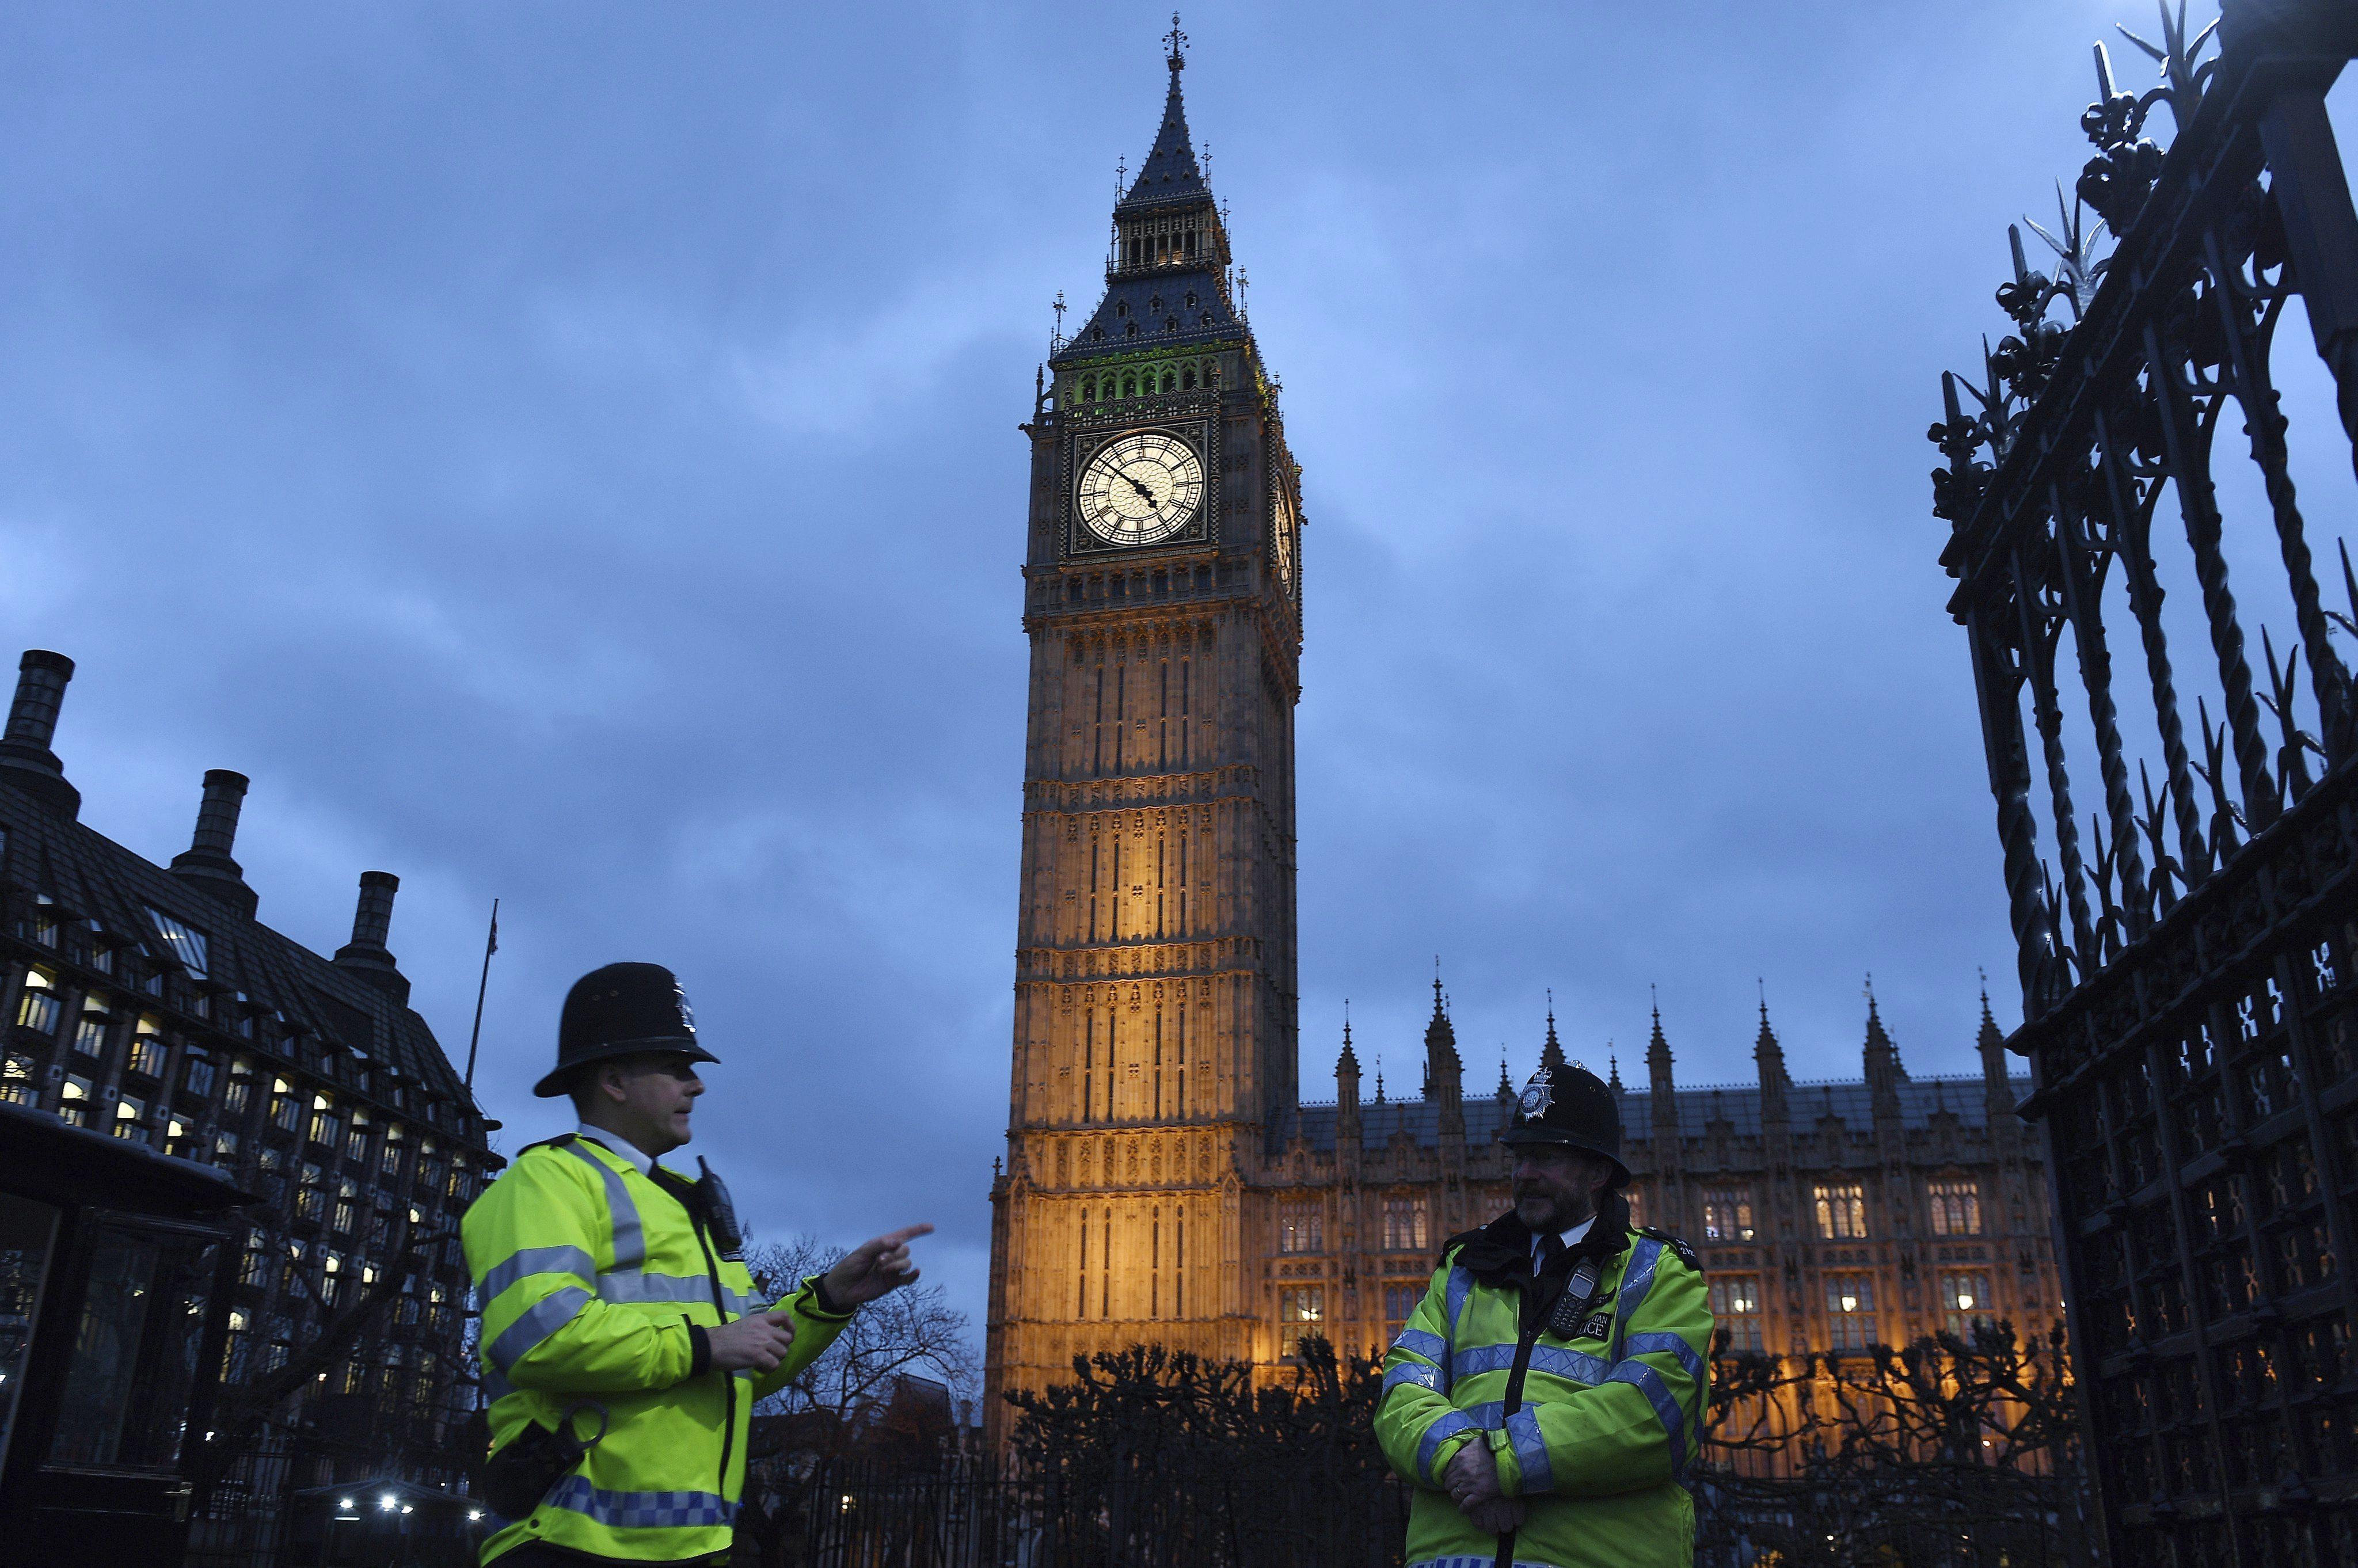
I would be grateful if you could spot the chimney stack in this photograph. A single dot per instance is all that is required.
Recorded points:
(365, 955)
(206, 861)
(26, 759)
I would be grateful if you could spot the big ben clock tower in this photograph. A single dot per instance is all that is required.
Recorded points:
(1155, 1028)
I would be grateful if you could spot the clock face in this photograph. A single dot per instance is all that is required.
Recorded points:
(1140, 489)
(1283, 534)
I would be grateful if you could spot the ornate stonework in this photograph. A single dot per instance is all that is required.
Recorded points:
(1155, 1033)
(1163, 1181)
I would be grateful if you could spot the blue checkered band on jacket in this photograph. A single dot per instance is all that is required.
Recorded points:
(1635, 1283)
(1460, 1287)
(1531, 1452)
(642, 1510)
(1485, 1416)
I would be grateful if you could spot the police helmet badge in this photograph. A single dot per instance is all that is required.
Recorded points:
(1538, 1094)
(686, 1013)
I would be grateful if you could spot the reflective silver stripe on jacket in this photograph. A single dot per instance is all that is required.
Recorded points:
(1461, 1286)
(635, 1287)
(570, 1261)
(1423, 1377)
(1634, 1286)
(1433, 1348)
(540, 1320)
(1531, 1451)
(1676, 1344)
(1577, 1365)
(630, 1241)
(1485, 1416)
(1649, 1382)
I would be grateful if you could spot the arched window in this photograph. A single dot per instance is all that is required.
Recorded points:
(1088, 389)
(1131, 330)
(1187, 379)
(1170, 381)
(1191, 299)
(1207, 319)
(1121, 306)
(1129, 387)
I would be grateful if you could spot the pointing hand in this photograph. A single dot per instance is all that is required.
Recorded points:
(875, 1268)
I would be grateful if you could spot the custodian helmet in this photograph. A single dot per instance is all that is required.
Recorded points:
(1571, 1108)
(622, 1010)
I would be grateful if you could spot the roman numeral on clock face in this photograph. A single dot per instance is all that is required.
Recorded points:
(1141, 488)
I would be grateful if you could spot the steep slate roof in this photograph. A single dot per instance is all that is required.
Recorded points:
(1170, 174)
(1419, 1118)
(1172, 286)
(1170, 178)
(1807, 1104)
(1738, 1104)
(91, 877)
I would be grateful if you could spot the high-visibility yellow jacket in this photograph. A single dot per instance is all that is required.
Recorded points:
(1606, 1421)
(589, 1275)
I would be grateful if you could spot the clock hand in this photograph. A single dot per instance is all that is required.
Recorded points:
(1140, 489)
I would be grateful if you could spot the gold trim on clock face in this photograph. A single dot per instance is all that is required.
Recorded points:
(1140, 489)
(1283, 536)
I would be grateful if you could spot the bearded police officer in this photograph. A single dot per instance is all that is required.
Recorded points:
(1547, 1396)
(625, 1342)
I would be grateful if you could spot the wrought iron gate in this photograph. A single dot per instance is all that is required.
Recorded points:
(2189, 967)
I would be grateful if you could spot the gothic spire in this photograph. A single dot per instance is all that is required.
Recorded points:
(1347, 1081)
(1879, 1048)
(1169, 172)
(1552, 1053)
(1884, 1073)
(1991, 1034)
(1167, 281)
(1997, 1090)
(1444, 1073)
(1662, 1089)
(1768, 1055)
(1657, 1049)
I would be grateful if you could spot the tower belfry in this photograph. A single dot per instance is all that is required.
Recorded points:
(1156, 1038)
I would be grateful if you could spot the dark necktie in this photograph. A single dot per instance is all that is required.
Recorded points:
(1552, 1253)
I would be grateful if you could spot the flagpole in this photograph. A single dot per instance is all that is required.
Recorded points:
(491, 946)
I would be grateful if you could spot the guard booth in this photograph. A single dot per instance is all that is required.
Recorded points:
(111, 1322)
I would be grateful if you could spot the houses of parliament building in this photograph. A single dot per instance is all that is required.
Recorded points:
(1165, 1182)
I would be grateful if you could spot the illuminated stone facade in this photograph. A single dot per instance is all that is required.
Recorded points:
(1828, 1216)
(1155, 1036)
(1164, 1182)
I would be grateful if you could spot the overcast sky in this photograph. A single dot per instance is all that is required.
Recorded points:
(568, 453)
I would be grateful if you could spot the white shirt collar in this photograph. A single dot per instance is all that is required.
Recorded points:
(620, 1145)
(1570, 1238)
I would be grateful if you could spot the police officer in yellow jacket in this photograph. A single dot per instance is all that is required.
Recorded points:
(625, 1342)
(1546, 1397)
